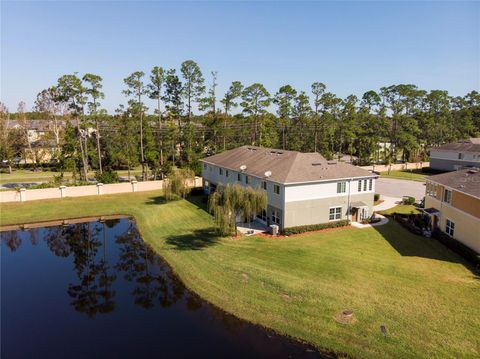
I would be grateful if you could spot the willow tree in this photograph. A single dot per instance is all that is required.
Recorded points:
(179, 183)
(231, 201)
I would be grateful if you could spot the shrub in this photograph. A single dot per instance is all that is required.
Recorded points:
(376, 197)
(408, 200)
(107, 176)
(314, 227)
(457, 247)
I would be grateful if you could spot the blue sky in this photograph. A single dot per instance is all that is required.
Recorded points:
(352, 47)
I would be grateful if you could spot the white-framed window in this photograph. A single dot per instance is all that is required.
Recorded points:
(263, 215)
(365, 185)
(370, 184)
(247, 179)
(276, 216)
(239, 177)
(220, 171)
(204, 166)
(447, 196)
(335, 213)
(359, 185)
(341, 187)
(276, 189)
(460, 156)
(449, 227)
(264, 185)
(431, 189)
(227, 173)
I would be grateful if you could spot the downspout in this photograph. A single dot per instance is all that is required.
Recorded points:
(349, 210)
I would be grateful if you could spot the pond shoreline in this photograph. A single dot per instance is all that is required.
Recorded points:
(309, 347)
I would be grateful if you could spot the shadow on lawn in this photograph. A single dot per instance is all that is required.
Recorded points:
(197, 240)
(412, 245)
(156, 200)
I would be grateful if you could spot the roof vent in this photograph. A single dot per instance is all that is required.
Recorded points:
(331, 163)
(268, 173)
(316, 163)
(276, 153)
(251, 149)
(243, 167)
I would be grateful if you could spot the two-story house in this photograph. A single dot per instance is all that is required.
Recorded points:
(302, 188)
(453, 202)
(456, 155)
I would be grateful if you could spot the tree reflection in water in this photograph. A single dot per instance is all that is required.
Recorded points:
(154, 281)
(88, 245)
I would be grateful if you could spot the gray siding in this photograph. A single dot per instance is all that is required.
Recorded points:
(316, 211)
(449, 165)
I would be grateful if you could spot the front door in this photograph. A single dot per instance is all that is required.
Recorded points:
(355, 214)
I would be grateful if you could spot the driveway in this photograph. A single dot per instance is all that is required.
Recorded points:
(398, 188)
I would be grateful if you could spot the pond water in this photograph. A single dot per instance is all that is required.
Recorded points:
(96, 290)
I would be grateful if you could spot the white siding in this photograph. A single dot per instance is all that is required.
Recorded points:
(303, 192)
(453, 155)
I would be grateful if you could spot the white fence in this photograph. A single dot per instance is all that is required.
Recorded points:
(23, 194)
(397, 166)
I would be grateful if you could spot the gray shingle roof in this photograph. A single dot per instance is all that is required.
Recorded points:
(285, 166)
(466, 181)
(470, 145)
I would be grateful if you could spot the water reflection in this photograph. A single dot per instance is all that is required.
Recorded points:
(117, 285)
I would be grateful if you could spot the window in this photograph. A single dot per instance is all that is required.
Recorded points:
(263, 215)
(204, 166)
(431, 189)
(365, 185)
(359, 186)
(239, 177)
(227, 173)
(341, 187)
(264, 185)
(460, 156)
(364, 214)
(247, 179)
(370, 184)
(449, 227)
(220, 171)
(276, 189)
(335, 213)
(276, 216)
(447, 196)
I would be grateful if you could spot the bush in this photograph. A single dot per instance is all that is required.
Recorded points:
(107, 176)
(376, 197)
(314, 227)
(408, 200)
(457, 247)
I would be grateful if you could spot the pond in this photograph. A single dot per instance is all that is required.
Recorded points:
(96, 290)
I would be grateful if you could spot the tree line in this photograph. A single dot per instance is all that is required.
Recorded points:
(191, 120)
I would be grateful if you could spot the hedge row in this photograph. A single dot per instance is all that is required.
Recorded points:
(456, 246)
(314, 227)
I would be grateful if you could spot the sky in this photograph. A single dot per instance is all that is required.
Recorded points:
(352, 47)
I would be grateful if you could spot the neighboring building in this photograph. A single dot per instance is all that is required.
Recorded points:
(456, 155)
(302, 188)
(453, 202)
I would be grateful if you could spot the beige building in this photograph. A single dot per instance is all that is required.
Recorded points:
(302, 188)
(453, 202)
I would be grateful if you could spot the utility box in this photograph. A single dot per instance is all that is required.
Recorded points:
(274, 229)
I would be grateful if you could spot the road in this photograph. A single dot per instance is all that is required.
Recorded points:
(398, 188)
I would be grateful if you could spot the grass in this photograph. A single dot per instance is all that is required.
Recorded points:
(414, 174)
(424, 294)
(401, 209)
(46, 176)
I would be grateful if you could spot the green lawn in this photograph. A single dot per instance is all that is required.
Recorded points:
(414, 174)
(424, 294)
(401, 209)
(46, 176)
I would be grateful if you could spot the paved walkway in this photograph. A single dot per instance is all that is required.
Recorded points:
(383, 220)
(388, 202)
(398, 188)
